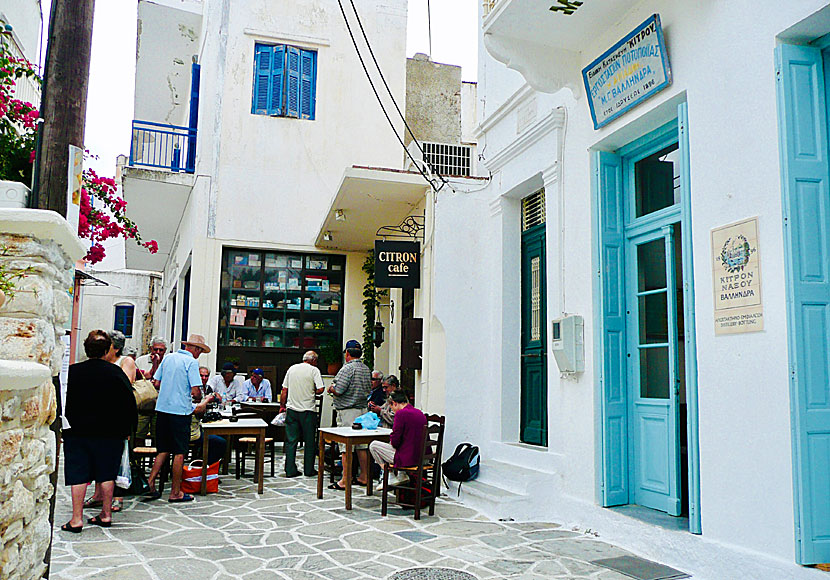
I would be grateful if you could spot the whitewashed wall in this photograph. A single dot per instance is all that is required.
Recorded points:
(729, 84)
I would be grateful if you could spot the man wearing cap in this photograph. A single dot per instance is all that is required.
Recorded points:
(301, 384)
(227, 385)
(175, 377)
(257, 387)
(350, 390)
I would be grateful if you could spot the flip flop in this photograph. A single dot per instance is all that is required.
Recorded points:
(116, 506)
(93, 503)
(184, 498)
(75, 530)
(152, 495)
(337, 487)
(97, 521)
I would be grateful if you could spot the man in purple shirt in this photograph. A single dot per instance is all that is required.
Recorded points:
(404, 447)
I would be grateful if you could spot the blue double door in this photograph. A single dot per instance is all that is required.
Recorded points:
(642, 298)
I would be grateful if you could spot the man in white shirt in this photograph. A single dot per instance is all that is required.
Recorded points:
(148, 363)
(258, 387)
(302, 382)
(227, 385)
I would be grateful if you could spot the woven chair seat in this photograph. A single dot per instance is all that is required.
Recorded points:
(144, 450)
(253, 439)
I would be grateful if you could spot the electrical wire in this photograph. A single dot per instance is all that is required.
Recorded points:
(389, 91)
(380, 102)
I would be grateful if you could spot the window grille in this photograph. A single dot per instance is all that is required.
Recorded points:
(533, 210)
(535, 300)
(445, 159)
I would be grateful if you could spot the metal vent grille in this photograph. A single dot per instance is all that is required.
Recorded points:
(533, 210)
(445, 159)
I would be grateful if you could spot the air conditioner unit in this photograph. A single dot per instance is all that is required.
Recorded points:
(567, 343)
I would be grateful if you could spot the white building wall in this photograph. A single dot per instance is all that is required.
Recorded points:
(26, 19)
(745, 438)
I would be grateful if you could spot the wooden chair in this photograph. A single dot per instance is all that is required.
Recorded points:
(424, 479)
(244, 447)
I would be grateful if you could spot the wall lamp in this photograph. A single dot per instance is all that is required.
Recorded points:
(327, 237)
(340, 215)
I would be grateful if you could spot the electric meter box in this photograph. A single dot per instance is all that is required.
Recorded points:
(567, 344)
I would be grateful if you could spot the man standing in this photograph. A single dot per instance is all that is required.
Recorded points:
(178, 373)
(227, 385)
(148, 363)
(404, 447)
(350, 390)
(301, 383)
(257, 387)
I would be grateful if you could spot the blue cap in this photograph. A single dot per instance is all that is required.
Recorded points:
(353, 344)
(259, 372)
(228, 368)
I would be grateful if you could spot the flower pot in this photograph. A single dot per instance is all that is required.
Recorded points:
(13, 194)
(333, 368)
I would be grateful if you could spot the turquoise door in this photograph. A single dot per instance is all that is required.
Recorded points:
(654, 378)
(806, 203)
(534, 419)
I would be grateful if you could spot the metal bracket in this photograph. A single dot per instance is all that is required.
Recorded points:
(411, 227)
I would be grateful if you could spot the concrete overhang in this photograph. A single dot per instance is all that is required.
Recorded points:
(155, 202)
(369, 197)
(545, 45)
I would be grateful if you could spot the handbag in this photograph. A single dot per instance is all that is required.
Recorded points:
(192, 477)
(279, 420)
(145, 395)
(124, 477)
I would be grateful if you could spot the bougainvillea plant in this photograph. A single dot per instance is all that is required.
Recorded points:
(108, 220)
(18, 119)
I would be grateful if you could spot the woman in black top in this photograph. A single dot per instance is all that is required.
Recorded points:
(100, 409)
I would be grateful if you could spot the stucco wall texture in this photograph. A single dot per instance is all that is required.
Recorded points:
(433, 100)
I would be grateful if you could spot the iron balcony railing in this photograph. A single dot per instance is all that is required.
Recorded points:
(163, 147)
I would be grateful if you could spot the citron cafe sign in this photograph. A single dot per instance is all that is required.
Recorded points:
(397, 264)
(628, 73)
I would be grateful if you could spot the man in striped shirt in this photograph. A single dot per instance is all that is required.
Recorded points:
(350, 389)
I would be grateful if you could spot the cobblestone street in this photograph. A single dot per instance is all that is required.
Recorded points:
(288, 534)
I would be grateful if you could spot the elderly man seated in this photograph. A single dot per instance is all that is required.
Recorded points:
(384, 411)
(216, 444)
(257, 387)
(227, 385)
(404, 447)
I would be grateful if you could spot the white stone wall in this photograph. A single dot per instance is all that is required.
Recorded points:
(30, 355)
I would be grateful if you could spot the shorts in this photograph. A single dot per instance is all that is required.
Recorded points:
(346, 417)
(88, 459)
(172, 433)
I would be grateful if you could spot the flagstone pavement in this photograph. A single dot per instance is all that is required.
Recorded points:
(287, 533)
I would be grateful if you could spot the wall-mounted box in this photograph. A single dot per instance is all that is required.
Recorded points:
(567, 344)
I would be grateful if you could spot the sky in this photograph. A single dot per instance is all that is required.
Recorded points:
(112, 70)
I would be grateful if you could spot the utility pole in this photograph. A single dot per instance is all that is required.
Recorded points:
(63, 103)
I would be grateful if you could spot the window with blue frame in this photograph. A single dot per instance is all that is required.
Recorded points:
(124, 319)
(285, 81)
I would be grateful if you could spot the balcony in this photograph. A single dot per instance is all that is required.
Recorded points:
(544, 41)
(160, 146)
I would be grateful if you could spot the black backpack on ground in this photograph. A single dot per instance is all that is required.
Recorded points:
(463, 465)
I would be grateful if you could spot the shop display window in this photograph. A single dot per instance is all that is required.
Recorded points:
(280, 299)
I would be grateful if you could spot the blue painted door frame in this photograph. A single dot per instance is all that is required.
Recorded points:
(801, 75)
(611, 368)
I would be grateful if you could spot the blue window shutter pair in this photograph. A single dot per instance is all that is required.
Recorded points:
(124, 319)
(288, 69)
(268, 79)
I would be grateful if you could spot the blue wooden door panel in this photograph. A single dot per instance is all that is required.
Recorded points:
(806, 172)
(614, 410)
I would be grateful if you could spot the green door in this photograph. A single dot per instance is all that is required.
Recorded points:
(534, 426)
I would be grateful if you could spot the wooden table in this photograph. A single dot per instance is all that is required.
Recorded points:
(241, 427)
(349, 438)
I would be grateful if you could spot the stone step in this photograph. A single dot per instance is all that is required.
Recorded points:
(493, 501)
(513, 478)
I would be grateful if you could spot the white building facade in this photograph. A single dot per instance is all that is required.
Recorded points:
(698, 427)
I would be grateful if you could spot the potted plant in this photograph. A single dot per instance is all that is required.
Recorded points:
(332, 356)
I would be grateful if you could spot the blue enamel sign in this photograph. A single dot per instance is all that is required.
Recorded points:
(630, 72)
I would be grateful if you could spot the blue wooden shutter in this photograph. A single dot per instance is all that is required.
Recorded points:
(124, 319)
(278, 66)
(292, 101)
(308, 70)
(608, 184)
(193, 122)
(806, 172)
(262, 78)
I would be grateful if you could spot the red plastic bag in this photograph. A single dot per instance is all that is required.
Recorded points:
(192, 477)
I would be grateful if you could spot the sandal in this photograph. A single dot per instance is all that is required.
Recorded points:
(117, 505)
(75, 530)
(184, 498)
(152, 495)
(97, 521)
(337, 487)
(93, 503)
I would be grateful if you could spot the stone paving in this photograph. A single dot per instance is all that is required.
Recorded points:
(287, 533)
